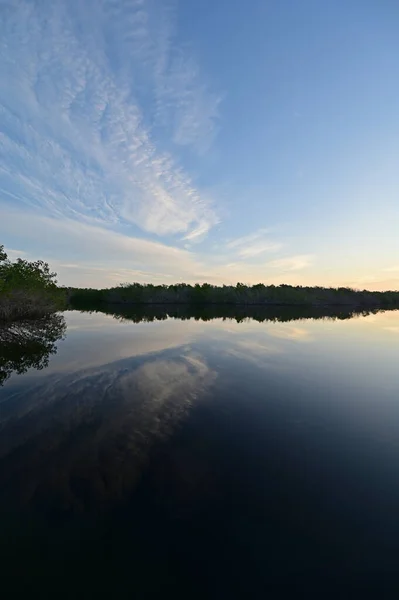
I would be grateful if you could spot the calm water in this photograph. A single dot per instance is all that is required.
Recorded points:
(200, 457)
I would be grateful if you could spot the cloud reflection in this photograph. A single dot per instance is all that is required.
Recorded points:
(298, 334)
(79, 442)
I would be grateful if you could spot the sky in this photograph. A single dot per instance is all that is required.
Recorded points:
(173, 141)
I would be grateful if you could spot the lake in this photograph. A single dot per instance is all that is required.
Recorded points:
(200, 455)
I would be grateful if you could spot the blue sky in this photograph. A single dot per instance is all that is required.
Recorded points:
(221, 141)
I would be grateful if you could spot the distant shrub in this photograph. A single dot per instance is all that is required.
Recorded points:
(259, 294)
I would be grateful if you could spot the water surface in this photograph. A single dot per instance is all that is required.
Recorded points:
(144, 455)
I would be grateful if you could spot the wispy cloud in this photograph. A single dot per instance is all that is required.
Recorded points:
(96, 244)
(292, 263)
(373, 281)
(98, 103)
(253, 244)
(393, 269)
(13, 254)
(186, 102)
(92, 255)
(78, 86)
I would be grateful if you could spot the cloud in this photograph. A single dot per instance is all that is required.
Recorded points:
(394, 269)
(77, 131)
(291, 263)
(186, 102)
(98, 256)
(98, 103)
(373, 282)
(258, 248)
(253, 245)
(104, 251)
(14, 254)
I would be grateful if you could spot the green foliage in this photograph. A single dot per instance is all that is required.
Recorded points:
(84, 297)
(26, 288)
(3, 255)
(23, 274)
(241, 294)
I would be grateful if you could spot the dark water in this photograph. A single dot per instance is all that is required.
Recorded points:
(144, 456)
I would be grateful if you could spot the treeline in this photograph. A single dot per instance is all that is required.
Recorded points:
(259, 294)
(147, 313)
(27, 288)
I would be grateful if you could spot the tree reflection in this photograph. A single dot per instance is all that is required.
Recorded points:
(281, 314)
(29, 344)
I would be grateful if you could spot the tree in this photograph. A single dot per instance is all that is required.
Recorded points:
(26, 287)
(3, 255)
(23, 274)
